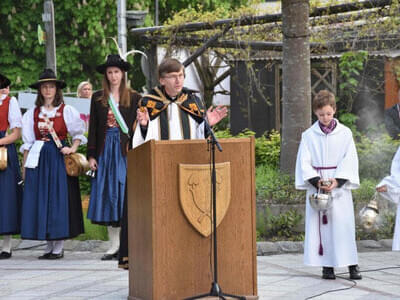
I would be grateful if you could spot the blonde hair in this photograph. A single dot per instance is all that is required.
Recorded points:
(80, 87)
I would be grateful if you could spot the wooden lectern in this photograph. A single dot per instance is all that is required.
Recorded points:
(168, 258)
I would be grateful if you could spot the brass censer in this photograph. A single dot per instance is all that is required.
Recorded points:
(369, 215)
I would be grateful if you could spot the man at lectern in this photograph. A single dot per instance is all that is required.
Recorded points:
(169, 112)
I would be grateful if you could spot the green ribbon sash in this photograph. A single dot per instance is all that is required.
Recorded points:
(117, 115)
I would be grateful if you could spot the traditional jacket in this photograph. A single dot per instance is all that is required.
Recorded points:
(331, 155)
(10, 190)
(171, 119)
(4, 108)
(10, 113)
(98, 124)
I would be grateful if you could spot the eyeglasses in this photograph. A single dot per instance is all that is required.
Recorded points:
(175, 77)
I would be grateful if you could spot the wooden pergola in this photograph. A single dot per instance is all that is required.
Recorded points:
(153, 36)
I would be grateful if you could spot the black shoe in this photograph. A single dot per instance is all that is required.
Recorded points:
(355, 272)
(328, 273)
(45, 256)
(5, 255)
(113, 256)
(57, 256)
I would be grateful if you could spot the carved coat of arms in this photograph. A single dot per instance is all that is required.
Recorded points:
(196, 194)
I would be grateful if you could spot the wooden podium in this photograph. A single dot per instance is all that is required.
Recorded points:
(168, 258)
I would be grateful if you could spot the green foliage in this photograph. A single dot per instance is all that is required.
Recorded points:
(82, 29)
(267, 148)
(84, 180)
(169, 8)
(375, 155)
(351, 64)
(349, 120)
(272, 186)
(281, 227)
(365, 192)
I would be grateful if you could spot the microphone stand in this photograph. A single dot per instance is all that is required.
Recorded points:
(215, 288)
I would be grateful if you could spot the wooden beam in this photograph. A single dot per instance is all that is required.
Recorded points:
(203, 48)
(194, 41)
(271, 18)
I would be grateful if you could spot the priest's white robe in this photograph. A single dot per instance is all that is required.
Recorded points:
(393, 194)
(336, 149)
(175, 128)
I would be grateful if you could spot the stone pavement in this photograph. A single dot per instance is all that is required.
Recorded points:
(82, 275)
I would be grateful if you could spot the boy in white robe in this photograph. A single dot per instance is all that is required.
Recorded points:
(389, 188)
(327, 153)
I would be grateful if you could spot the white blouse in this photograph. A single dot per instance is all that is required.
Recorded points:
(14, 112)
(75, 125)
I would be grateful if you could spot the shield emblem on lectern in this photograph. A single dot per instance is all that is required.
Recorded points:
(196, 194)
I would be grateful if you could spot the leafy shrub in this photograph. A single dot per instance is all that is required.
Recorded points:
(375, 155)
(274, 187)
(267, 148)
(349, 120)
(280, 227)
(365, 192)
(84, 180)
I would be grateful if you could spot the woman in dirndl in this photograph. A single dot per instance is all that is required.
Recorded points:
(10, 177)
(112, 113)
(51, 207)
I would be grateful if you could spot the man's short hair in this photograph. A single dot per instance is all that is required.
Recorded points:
(169, 65)
(323, 98)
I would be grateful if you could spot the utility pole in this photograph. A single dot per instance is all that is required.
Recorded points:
(121, 16)
(156, 13)
(48, 20)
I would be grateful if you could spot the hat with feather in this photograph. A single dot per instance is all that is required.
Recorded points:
(117, 60)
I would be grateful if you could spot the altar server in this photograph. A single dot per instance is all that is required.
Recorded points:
(327, 153)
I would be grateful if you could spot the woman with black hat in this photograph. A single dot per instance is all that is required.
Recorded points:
(10, 190)
(112, 113)
(51, 207)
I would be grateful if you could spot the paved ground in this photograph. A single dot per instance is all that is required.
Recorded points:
(82, 275)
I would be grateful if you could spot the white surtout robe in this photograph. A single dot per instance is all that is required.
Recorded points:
(175, 128)
(336, 149)
(393, 194)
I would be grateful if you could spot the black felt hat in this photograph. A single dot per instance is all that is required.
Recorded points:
(4, 81)
(48, 76)
(113, 60)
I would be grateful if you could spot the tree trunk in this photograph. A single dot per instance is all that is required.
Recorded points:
(296, 82)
